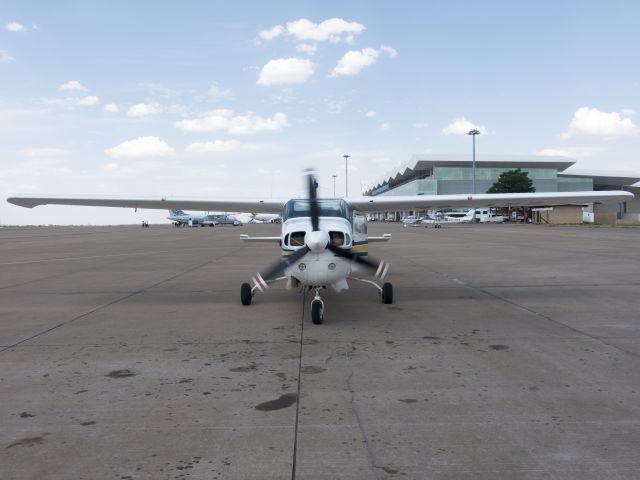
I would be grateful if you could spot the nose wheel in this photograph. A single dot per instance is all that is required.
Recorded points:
(317, 309)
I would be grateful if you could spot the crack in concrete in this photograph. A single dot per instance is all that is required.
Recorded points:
(113, 302)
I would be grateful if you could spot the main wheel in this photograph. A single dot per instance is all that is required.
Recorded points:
(387, 293)
(317, 313)
(245, 294)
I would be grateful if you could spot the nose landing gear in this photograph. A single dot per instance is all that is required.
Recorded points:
(317, 309)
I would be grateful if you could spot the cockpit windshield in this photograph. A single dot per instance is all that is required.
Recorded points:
(327, 207)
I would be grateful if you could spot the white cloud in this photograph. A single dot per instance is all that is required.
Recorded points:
(141, 147)
(5, 57)
(144, 109)
(461, 126)
(73, 85)
(15, 27)
(271, 33)
(43, 152)
(307, 48)
(591, 121)
(223, 120)
(286, 71)
(216, 91)
(384, 126)
(392, 52)
(111, 108)
(334, 30)
(216, 146)
(354, 61)
(627, 112)
(570, 152)
(421, 125)
(73, 101)
(370, 114)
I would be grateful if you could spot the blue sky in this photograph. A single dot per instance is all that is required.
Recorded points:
(237, 98)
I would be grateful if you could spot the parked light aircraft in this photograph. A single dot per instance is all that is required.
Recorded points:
(181, 219)
(324, 242)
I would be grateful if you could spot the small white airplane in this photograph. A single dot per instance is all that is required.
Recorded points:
(325, 242)
(181, 219)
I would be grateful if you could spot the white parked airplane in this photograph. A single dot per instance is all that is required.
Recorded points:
(181, 219)
(324, 242)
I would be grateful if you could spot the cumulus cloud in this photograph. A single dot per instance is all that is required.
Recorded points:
(73, 85)
(141, 147)
(591, 121)
(111, 108)
(384, 126)
(43, 152)
(87, 101)
(271, 33)
(392, 52)
(370, 114)
(627, 112)
(354, 61)
(216, 91)
(334, 30)
(5, 57)
(307, 48)
(216, 146)
(461, 126)
(144, 110)
(286, 71)
(17, 27)
(223, 120)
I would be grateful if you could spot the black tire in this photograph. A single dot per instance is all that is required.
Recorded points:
(387, 293)
(317, 315)
(245, 294)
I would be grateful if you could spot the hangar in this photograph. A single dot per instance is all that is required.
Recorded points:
(429, 174)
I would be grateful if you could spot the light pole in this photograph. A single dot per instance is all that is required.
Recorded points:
(346, 175)
(473, 133)
(334, 185)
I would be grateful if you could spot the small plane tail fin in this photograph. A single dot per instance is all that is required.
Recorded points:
(176, 213)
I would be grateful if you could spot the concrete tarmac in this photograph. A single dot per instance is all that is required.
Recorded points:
(511, 352)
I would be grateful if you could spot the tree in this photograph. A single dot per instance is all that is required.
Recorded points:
(513, 181)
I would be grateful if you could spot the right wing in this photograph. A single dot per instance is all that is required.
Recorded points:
(158, 203)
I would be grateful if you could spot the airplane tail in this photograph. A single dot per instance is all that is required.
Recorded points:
(176, 213)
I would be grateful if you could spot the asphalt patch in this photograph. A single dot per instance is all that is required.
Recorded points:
(27, 442)
(279, 403)
(499, 347)
(124, 373)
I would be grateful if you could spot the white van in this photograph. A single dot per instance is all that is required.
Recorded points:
(484, 215)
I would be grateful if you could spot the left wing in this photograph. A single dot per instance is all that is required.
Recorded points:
(410, 202)
(158, 203)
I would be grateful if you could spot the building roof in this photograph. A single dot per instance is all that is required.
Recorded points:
(604, 177)
(418, 162)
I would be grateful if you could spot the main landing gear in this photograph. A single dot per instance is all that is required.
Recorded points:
(317, 305)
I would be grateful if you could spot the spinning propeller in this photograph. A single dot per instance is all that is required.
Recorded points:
(316, 241)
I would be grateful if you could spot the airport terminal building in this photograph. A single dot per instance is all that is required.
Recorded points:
(429, 174)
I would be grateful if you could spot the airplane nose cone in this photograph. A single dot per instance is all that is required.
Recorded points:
(316, 241)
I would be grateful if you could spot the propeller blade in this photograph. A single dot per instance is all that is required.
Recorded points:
(313, 202)
(260, 279)
(380, 267)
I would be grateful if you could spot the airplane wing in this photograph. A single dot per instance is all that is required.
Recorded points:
(411, 202)
(159, 203)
